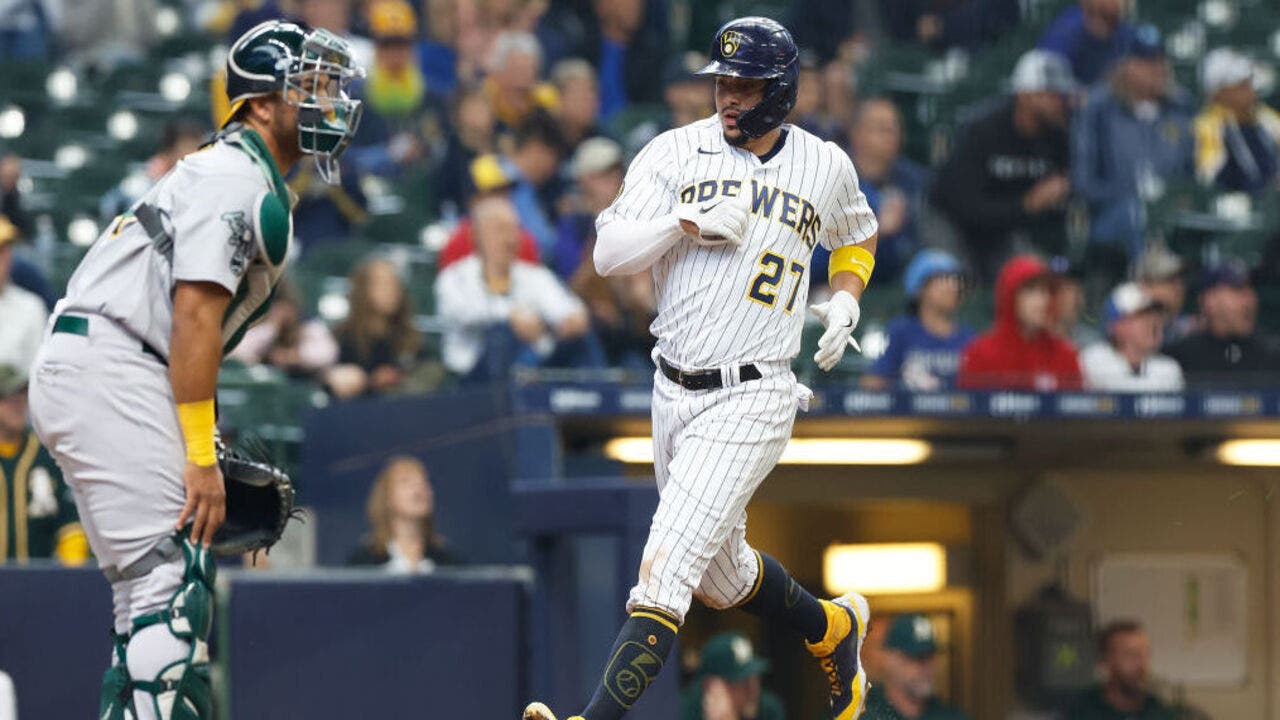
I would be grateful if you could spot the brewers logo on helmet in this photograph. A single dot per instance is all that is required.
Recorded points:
(757, 47)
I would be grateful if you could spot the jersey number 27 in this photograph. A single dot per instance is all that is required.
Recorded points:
(764, 288)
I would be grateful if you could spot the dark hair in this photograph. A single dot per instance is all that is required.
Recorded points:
(1116, 627)
(540, 128)
(180, 129)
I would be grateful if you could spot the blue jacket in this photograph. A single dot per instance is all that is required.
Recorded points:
(1115, 154)
(1090, 57)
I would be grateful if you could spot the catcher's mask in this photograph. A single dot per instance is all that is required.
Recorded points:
(312, 70)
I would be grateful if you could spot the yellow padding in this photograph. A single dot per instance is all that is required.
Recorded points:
(838, 628)
(197, 421)
(854, 259)
(651, 615)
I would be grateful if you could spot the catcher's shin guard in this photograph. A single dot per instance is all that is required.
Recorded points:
(117, 686)
(168, 650)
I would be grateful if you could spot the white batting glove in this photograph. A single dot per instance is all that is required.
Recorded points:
(840, 315)
(717, 222)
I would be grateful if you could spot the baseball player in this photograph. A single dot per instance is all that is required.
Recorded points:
(122, 390)
(727, 211)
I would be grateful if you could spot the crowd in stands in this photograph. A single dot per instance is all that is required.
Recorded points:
(511, 123)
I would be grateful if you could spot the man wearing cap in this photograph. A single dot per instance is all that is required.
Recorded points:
(398, 102)
(1162, 275)
(1228, 351)
(1006, 185)
(727, 686)
(1237, 137)
(1130, 140)
(37, 510)
(1129, 359)
(924, 345)
(23, 311)
(907, 690)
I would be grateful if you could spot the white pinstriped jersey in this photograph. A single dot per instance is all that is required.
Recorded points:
(720, 306)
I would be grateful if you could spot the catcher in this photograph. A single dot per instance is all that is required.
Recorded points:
(122, 389)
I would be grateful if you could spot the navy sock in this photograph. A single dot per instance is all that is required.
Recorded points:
(778, 596)
(634, 662)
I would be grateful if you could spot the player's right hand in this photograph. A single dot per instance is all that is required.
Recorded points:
(206, 506)
(719, 221)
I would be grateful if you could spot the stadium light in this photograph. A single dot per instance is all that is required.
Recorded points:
(884, 568)
(1250, 453)
(12, 122)
(802, 451)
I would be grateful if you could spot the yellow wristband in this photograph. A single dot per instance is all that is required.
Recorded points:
(197, 421)
(854, 259)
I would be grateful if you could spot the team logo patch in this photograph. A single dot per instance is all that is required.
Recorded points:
(241, 239)
(730, 41)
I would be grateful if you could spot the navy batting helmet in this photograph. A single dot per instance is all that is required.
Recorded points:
(757, 47)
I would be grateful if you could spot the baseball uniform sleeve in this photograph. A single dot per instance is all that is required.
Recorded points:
(649, 189)
(851, 219)
(213, 236)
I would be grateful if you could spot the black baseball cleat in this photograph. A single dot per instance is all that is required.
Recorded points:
(839, 654)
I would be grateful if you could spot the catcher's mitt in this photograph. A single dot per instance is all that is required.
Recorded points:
(259, 502)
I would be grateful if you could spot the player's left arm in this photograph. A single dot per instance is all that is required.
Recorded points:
(852, 237)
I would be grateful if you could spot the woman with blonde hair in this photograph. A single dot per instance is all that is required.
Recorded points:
(378, 342)
(402, 535)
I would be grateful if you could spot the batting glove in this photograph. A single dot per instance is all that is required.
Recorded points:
(719, 222)
(840, 315)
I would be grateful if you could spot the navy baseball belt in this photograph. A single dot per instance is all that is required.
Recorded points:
(79, 325)
(704, 379)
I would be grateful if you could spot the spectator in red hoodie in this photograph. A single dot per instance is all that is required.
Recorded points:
(1020, 352)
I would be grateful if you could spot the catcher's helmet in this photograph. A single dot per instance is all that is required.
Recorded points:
(757, 47)
(312, 69)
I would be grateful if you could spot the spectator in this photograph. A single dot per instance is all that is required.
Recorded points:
(579, 111)
(1161, 275)
(1020, 352)
(925, 344)
(908, 689)
(627, 45)
(23, 311)
(876, 143)
(1132, 137)
(247, 15)
(489, 179)
(1006, 185)
(514, 92)
(1228, 350)
(335, 16)
(402, 522)
(11, 197)
(1124, 692)
(532, 168)
(687, 96)
(1092, 36)
(502, 311)
(32, 492)
(1069, 300)
(1129, 359)
(437, 55)
(822, 26)
(471, 134)
(26, 34)
(1237, 136)
(180, 138)
(284, 340)
(621, 307)
(840, 93)
(942, 24)
(377, 343)
(399, 108)
(810, 111)
(326, 213)
(727, 686)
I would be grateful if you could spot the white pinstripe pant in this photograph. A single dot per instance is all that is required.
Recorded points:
(712, 449)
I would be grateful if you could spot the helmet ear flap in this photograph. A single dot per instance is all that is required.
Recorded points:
(779, 98)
